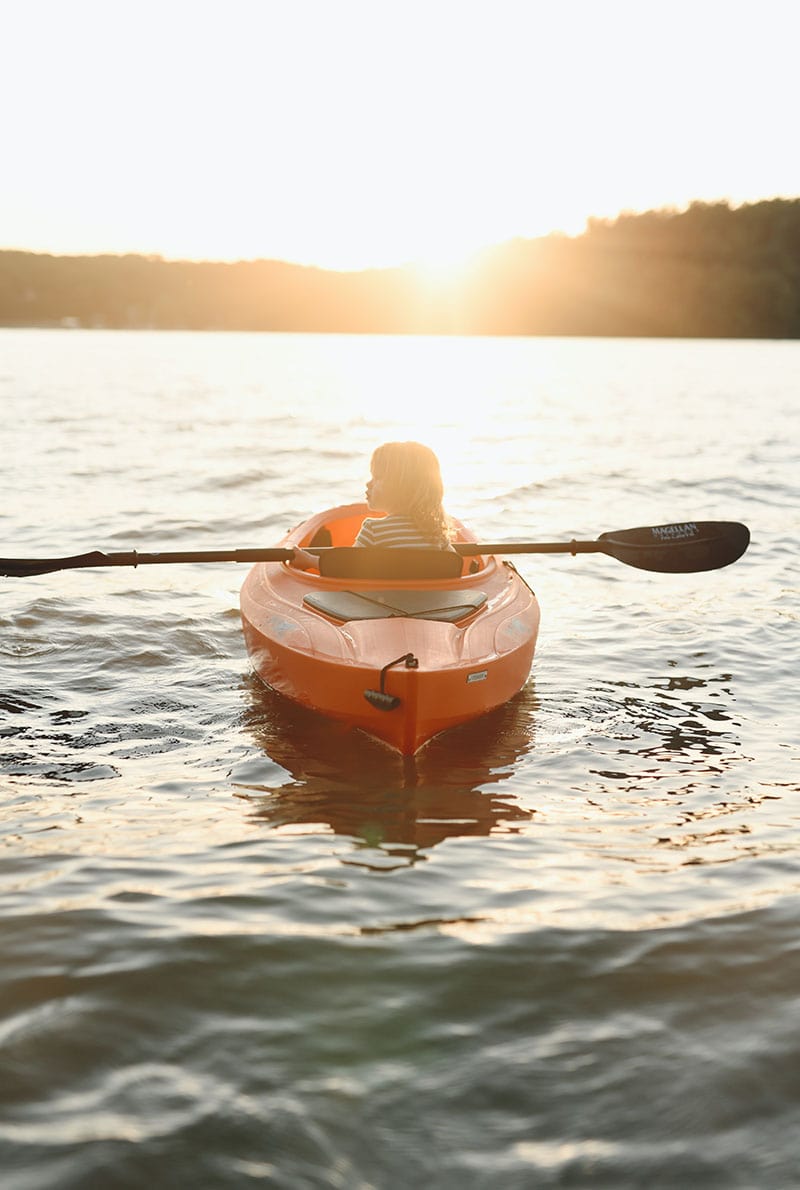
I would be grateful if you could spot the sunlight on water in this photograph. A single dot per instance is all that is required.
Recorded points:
(255, 946)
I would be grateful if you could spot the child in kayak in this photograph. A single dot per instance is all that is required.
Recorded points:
(406, 484)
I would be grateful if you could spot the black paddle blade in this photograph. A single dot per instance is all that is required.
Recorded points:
(679, 549)
(27, 567)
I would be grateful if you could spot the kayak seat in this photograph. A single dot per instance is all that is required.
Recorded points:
(446, 606)
(373, 562)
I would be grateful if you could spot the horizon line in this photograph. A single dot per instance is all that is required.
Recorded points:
(420, 262)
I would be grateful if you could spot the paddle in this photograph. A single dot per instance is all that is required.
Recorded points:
(667, 549)
(24, 567)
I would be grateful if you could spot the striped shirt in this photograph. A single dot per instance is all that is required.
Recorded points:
(389, 532)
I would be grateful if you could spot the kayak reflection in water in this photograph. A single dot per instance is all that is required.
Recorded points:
(406, 485)
(311, 772)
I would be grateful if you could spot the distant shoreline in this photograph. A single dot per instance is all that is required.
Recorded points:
(711, 271)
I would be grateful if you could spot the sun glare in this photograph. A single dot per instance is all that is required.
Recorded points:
(444, 270)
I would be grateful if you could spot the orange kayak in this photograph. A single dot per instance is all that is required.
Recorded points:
(401, 644)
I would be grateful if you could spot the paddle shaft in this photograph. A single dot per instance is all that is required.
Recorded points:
(25, 567)
(469, 549)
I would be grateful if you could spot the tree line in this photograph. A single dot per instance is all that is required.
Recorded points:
(711, 271)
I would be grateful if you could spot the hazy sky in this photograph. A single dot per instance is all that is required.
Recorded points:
(350, 133)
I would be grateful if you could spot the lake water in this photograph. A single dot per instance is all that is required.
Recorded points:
(242, 946)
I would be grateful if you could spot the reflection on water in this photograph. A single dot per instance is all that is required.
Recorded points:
(673, 724)
(343, 781)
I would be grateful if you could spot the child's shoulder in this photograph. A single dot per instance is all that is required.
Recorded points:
(389, 521)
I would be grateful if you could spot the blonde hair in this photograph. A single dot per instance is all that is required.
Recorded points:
(412, 478)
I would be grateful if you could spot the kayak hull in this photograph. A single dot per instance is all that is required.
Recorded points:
(400, 678)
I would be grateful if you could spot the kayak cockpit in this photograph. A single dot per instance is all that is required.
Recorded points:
(332, 536)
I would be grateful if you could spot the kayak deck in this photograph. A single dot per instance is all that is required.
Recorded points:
(379, 604)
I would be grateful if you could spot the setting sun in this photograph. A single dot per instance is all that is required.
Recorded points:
(442, 268)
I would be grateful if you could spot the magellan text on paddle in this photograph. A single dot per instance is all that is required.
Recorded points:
(674, 532)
